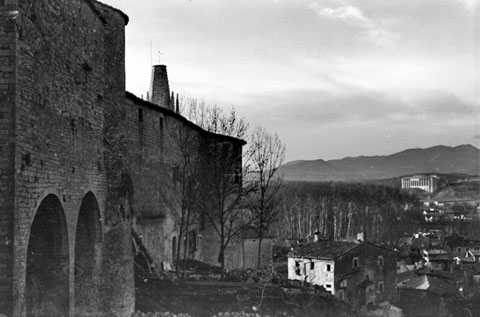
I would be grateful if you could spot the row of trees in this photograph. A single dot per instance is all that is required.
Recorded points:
(341, 210)
(217, 182)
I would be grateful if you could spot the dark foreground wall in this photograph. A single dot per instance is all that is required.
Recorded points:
(65, 242)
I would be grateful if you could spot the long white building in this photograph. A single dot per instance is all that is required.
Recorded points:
(427, 183)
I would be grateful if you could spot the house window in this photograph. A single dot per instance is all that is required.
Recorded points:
(238, 176)
(381, 287)
(459, 250)
(341, 294)
(140, 115)
(297, 267)
(312, 265)
(329, 267)
(355, 263)
(343, 283)
(328, 285)
(192, 241)
(380, 261)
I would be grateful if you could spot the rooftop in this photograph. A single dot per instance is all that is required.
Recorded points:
(325, 249)
(429, 283)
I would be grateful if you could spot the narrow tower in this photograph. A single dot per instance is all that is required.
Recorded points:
(159, 90)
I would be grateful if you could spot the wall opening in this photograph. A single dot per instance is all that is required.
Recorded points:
(47, 289)
(88, 258)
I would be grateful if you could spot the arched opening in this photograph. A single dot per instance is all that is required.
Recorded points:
(47, 290)
(88, 258)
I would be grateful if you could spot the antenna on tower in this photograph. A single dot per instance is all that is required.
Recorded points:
(159, 55)
(151, 54)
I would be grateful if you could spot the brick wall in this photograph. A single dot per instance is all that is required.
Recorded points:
(57, 74)
(73, 148)
(7, 148)
(368, 264)
(154, 152)
(118, 258)
(157, 140)
(58, 119)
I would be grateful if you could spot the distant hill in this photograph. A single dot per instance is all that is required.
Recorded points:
(463, 159)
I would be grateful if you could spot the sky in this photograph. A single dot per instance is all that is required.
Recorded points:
(333, 78)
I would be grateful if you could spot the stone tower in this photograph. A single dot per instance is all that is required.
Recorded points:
(159, 89)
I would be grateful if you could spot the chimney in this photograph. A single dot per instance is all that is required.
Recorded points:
(177, 105)
(159, 90)
(361, 237)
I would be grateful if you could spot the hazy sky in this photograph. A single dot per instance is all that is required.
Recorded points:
(333, 78)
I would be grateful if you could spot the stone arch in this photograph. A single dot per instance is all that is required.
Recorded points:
(48, 268)
(88, 253)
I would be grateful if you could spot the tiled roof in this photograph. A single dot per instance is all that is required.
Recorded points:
(325, 249)
(420, 243)
(436, 252)
(435, 285)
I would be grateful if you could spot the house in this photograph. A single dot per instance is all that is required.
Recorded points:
(361, 273)
(425, 295)
(438, 259)
(461, 246)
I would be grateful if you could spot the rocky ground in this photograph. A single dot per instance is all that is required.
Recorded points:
(204, 291)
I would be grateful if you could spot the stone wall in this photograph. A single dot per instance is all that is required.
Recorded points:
(158, 142)
(81, 165)
(367, 275)
(7, 149)
(57, 76)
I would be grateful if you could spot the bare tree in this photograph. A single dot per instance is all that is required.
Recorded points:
(213, 118)
(266, 152)
(222, 171)
(223, 194)
(181, 194)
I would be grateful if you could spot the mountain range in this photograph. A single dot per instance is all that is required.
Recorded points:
(462, 159)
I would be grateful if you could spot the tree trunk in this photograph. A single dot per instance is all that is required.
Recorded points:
(221, 256)
(259, 256)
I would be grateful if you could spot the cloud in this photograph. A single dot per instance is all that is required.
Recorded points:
(349, 14)
(306, 109)
(470, 5)
(353, 16)
(363, 122)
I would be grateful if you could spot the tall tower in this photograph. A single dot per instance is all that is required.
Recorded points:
(159, 89)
